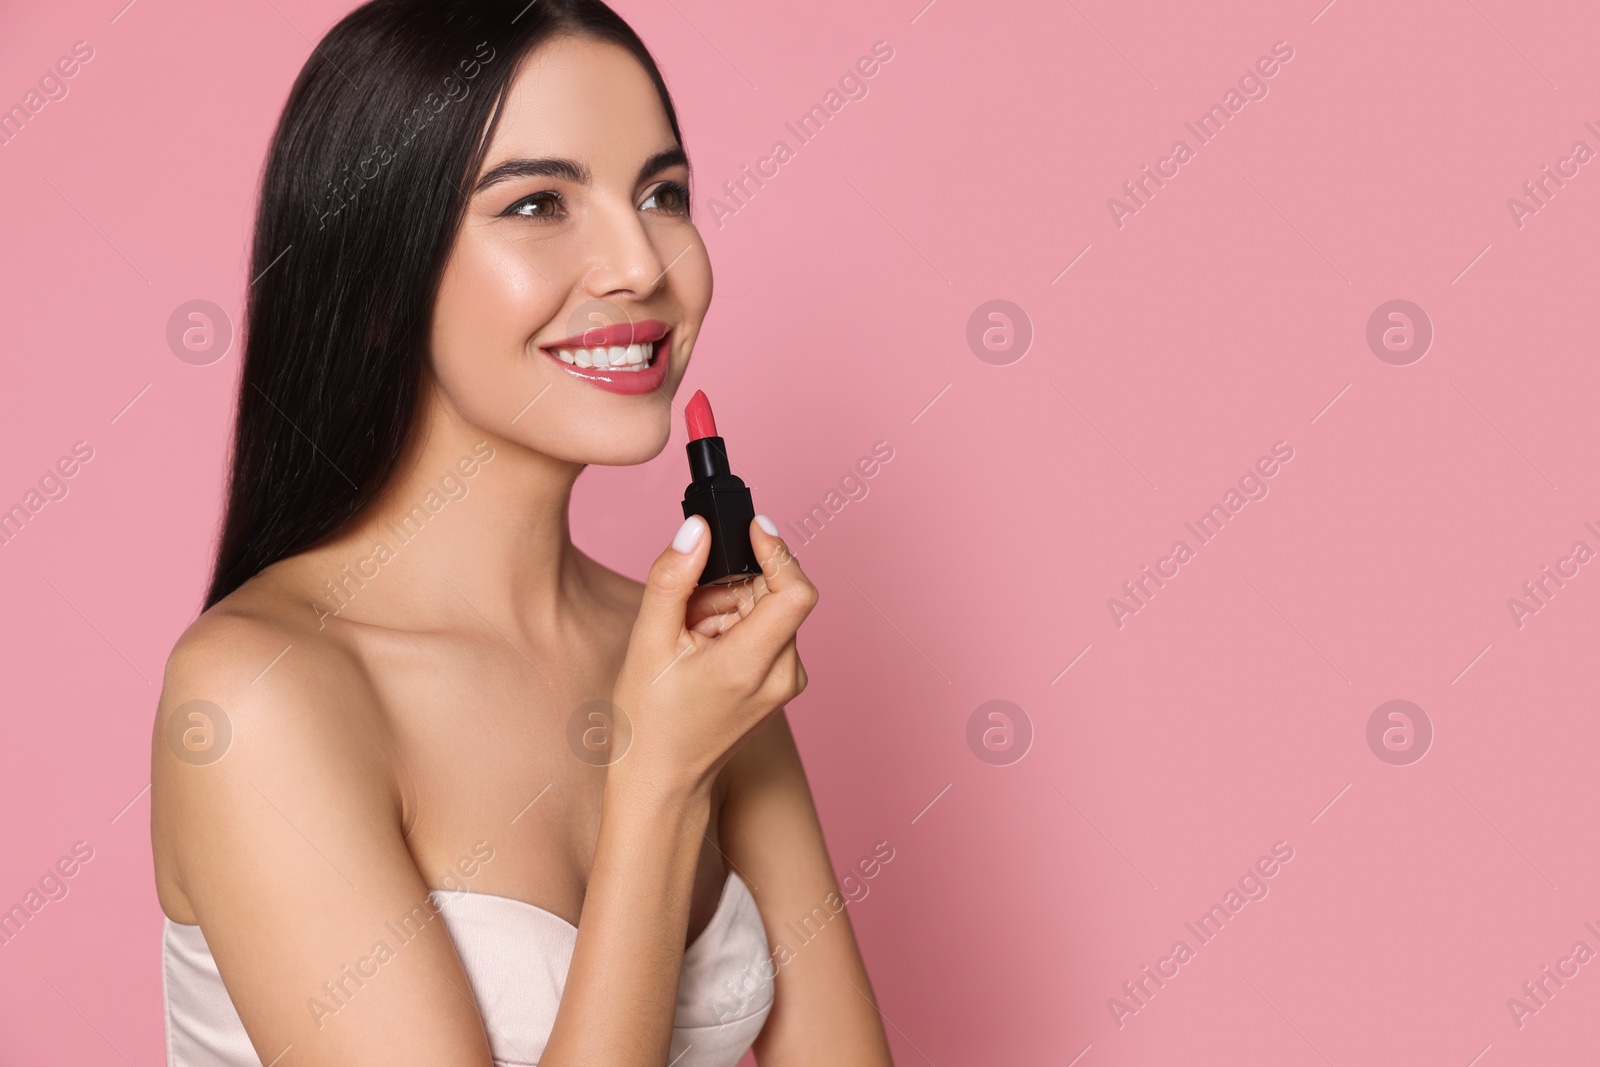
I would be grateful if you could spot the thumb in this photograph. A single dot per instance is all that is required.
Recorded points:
(672, 581)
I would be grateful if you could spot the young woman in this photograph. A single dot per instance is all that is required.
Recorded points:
(430, 785)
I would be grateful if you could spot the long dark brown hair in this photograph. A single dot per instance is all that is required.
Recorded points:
(364, 190)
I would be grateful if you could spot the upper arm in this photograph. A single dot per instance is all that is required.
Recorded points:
(824, 1011)
(288, 847)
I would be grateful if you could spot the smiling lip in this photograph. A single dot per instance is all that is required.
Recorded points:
(623, 333)
(628, 383)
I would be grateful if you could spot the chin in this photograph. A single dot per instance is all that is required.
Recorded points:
(637, 437)
(633, 450)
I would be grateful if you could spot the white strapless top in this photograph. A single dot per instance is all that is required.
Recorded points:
(516, 956)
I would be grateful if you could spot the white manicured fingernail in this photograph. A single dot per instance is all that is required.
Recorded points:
(767, 525)
(688, 535)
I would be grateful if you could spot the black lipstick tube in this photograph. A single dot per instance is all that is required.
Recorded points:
(719, 496)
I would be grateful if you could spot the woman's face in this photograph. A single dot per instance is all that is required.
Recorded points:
(576, 242)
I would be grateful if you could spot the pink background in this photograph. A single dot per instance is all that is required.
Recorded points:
(1226, 315)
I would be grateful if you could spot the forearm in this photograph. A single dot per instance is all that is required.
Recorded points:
(620, 998)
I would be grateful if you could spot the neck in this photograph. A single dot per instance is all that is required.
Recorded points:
(473, 526)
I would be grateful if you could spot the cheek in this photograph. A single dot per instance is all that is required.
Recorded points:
(491, 302)
(689, 279)
(492, 298)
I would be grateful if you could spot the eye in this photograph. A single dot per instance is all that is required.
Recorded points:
(545, 205)
(671, 198)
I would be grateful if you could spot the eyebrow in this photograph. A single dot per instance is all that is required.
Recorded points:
(571, 170)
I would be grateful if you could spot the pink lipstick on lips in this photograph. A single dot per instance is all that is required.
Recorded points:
(612, 344)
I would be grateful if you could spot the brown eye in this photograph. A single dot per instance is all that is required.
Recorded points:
(669, 197)
(538, 206)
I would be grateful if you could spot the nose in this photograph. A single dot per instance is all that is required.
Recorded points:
(624, 261)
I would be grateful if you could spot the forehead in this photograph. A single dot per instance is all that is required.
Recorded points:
(583, 98)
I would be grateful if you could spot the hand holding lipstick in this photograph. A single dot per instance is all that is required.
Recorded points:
(692, 697)
(732, 581)
(714, 609)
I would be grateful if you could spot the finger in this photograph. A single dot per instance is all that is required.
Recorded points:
(780, 569)
(748, 593)
(702, 605)
(714, 609)
(671, 582)
(716, 625)
(790, 596)
(711, 600)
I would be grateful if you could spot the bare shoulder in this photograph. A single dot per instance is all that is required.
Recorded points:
(278, 828)
(227, 643)
(257, 703)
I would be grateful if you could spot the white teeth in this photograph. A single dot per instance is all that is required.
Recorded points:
(616, 357)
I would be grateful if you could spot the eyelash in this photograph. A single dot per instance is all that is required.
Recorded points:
(675, 187)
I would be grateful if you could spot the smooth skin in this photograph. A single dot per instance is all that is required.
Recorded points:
(380, 746)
